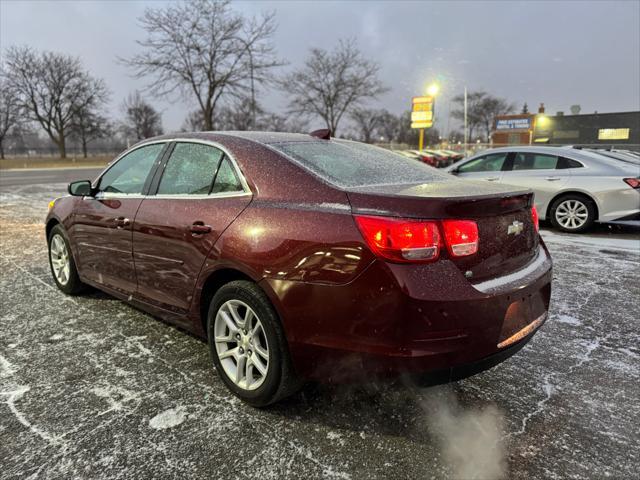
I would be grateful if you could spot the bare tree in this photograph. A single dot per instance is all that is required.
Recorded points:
(52, 88)
(241, 114)
(490, 108)
(367, 121)
(141, 119)
(10, 111)
(193, 122)
(389, 125)
(332, 83)
(482, 109)
(205, 50)
(87, 123)
(273, 122)
(474, 100)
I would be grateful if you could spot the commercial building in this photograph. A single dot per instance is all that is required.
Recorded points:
(597, 129)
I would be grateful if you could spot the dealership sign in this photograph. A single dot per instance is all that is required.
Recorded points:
(513, 123)
(422, 112)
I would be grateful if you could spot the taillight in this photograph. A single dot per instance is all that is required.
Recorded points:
(401, 240)
(461, 237)
(534, 217)
(413, 241)
(632, 182)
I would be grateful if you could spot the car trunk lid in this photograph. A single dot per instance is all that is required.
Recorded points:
(507, 236)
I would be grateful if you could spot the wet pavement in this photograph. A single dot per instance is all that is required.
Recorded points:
(92, 388)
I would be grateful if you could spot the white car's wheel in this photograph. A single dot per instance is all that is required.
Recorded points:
(573, 213)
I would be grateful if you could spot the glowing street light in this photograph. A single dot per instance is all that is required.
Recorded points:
(433, 89)
(542, 120)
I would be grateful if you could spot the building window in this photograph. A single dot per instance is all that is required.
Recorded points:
(613, 134)
(564, 134)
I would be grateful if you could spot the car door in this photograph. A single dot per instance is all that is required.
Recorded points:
(199, 192)
(486, 167)
(541, 172)
(102, 223)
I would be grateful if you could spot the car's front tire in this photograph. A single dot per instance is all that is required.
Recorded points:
(248, 346)
(573, 213)
(63, 267)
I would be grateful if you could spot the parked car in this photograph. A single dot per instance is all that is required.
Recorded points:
(424, 157)
(409, 154)
(441, 159)
(304, 258)
(455, 155)
(618, 155)
(573, 188)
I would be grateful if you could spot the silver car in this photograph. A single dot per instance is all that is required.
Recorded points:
(573, 188)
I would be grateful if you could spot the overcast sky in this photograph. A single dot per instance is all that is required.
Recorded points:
(559, 53)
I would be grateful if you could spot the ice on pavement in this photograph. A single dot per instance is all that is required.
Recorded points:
(168, 419)
(607, 242)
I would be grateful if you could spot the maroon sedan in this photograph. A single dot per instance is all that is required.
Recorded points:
(304, 258)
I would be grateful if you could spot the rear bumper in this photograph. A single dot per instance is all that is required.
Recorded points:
(458, 372)
(394, 320)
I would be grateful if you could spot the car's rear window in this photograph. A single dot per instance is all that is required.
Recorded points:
(352, 164)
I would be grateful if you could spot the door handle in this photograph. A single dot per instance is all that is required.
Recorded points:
(122, 222)
(552, 179)
(199, 228)
(492, 179)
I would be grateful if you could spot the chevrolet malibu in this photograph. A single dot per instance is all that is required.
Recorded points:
(573, 187)
(300, 257)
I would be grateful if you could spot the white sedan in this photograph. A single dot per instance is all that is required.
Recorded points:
(573, 188)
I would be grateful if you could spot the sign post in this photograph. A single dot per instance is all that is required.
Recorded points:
(422, 115)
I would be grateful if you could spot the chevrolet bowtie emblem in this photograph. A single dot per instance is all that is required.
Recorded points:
(515, 228)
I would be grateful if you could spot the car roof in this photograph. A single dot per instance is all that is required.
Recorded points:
(589, 158)
(258, 137)
(565, 151)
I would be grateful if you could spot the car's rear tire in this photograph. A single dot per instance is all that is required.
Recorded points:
(573, 213)
(63, 267)
(248, 346)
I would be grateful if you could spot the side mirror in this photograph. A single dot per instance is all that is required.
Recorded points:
(81, 188)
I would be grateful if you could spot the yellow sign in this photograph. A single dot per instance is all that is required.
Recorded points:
(422, 112)
(421, 116)
(421, 124)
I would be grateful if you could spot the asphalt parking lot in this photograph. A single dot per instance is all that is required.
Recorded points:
(92, 388)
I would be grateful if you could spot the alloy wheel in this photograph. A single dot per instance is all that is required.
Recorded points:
(241, 344)
(60, 259)
(572, 214)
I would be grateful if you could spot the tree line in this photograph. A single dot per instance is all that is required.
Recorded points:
(217, 59)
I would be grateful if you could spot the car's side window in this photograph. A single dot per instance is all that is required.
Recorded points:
(564, 162)
(226, 179)
(487, 163)
(190, 170)
(534, 161)
(129, 174)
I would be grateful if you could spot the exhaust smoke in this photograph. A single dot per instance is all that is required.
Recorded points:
(470, 439)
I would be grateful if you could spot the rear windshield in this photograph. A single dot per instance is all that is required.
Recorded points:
(352, 164)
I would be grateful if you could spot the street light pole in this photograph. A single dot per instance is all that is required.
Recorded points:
(466, 131)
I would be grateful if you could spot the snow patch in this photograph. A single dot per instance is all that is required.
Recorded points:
(6, 367)
(56, 337)
(118, 398)
(336, 437)
(569, 320)
(168, 419)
